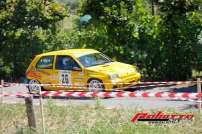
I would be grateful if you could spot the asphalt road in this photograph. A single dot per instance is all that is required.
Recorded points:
(123, 102)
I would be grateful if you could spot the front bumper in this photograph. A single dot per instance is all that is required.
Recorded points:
(122, 83)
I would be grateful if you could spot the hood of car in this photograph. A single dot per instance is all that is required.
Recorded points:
(119, 68)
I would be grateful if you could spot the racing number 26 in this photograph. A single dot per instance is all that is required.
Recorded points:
(65, 77)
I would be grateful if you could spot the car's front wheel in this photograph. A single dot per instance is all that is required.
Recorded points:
(95, 85)
(34, 86)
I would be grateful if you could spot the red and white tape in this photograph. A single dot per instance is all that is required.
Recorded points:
(136, 84)
(111, 94)
(18, 94)
(168, 82)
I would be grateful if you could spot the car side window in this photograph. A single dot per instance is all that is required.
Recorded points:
(65, 63)
(45, 62)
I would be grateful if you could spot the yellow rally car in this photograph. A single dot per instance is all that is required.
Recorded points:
(85, 68)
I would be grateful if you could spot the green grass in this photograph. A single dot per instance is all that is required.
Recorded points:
(88, 120)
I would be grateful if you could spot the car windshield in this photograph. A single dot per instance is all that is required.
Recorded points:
(94, 59)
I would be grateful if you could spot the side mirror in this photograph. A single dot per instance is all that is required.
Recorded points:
(76, 69)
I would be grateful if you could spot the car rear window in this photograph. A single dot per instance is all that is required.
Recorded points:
(45, 62)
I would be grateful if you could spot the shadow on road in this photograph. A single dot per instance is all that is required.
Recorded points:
(132, 89)
(191, 89)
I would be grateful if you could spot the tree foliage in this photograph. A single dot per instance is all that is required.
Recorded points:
(181, 25)
(26, 27)
(161, 45)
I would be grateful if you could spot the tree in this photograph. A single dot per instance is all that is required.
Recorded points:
(181, 26)
(24, 29)
(126, 31)
(163, 45)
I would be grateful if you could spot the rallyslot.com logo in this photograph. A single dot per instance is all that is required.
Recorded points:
(161, 117)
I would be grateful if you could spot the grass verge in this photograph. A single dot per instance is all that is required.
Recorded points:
(89, 120)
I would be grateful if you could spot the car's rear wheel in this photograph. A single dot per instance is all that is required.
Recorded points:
(34, 86)
(95, 85)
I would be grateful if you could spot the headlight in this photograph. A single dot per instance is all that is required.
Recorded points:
(113, 76)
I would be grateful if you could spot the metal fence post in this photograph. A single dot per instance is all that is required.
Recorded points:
(199, 91)
(1, 102)
(1, 92)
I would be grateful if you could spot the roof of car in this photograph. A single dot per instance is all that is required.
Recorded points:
(73, 52)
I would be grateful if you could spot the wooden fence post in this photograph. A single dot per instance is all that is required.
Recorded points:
(199, 91)
(41, 111)
(30, 113)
